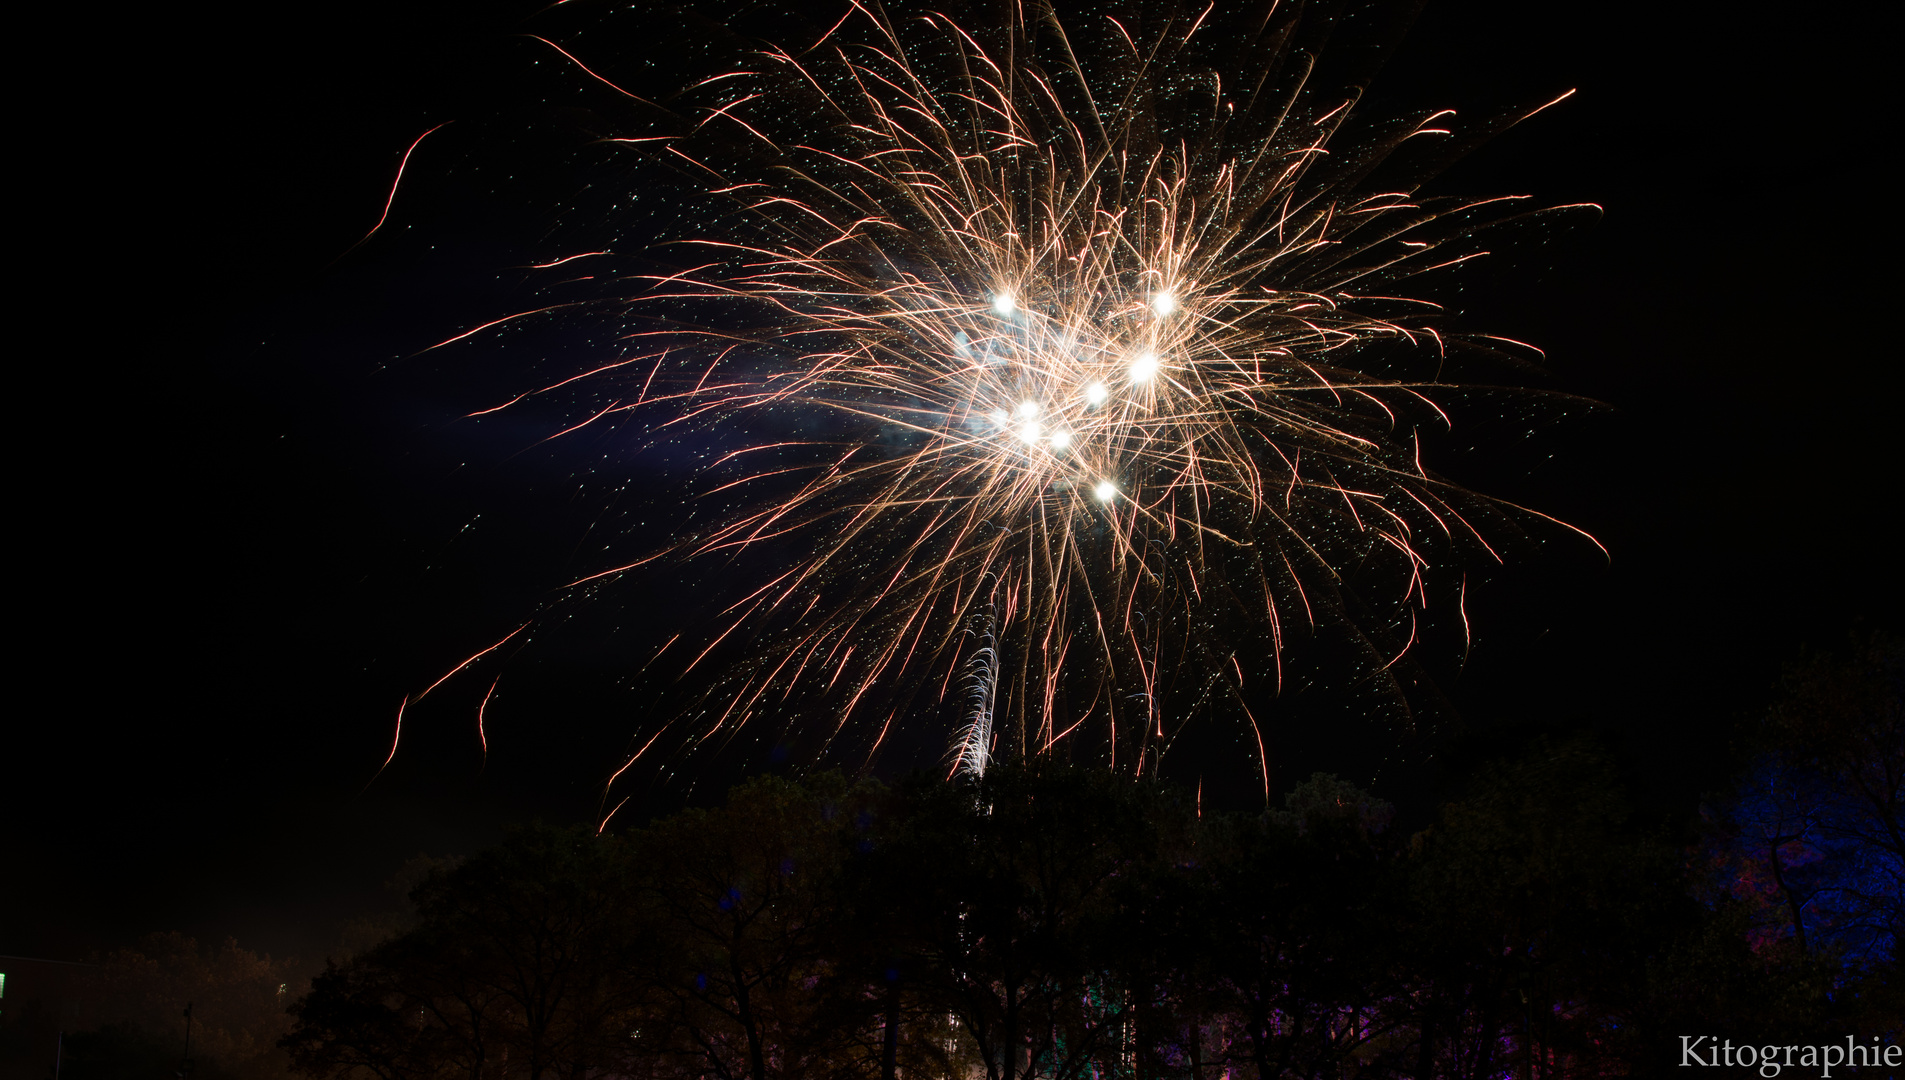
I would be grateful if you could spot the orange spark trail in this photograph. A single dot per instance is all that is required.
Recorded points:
(396, 736)
(391, 200)
(487, 325)
(481, 735)
(473, 659)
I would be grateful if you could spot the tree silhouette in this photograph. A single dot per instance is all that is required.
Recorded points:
(1060, 923)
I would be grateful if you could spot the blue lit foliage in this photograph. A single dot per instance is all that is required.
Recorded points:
(1810, 839)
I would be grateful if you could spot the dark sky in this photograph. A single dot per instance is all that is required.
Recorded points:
(250, 533)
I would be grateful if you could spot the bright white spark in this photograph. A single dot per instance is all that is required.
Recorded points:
(1028, 409)
(1061, 439)
(1004, 304)
(1164, 304)
(1096, 393)
(1030, 431)
(1145, 366)
(1106, 489)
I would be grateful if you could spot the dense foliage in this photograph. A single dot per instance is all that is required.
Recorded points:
(1062, 923)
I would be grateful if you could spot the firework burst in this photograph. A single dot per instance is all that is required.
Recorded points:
(1064, 368)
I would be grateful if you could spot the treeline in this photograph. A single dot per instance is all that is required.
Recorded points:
(1058, 922)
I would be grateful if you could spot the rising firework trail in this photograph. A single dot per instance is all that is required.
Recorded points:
(972, 749)
(1074, 355)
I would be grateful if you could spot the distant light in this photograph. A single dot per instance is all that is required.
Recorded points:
(1001, 417)
(1105, 490)
(1028, 409)
(1030, 431)
(1164, 304)
(1004, 304)
(1061, 439)
(1144, 367)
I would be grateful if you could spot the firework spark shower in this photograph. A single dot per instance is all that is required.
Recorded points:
(1071, 375)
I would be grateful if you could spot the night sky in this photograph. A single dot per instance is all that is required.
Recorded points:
(251, 528)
